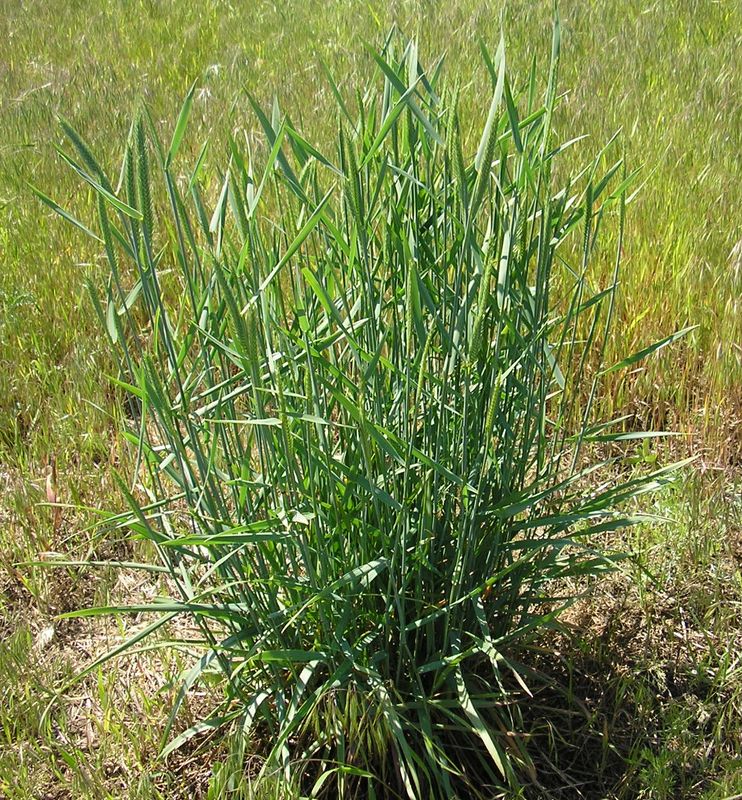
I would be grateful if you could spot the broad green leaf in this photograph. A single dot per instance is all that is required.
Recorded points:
(180, 126)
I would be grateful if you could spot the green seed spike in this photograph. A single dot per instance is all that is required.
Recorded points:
(132, 197)
(478, 334)
(86, 155)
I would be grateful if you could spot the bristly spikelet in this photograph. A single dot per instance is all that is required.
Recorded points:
(85, 154)
(130, 187)
(483, 175)
(453, 102)
(519, 239)
(455, 151)
(460, 169)
(308, 390)
(353, 177)
(478, 332)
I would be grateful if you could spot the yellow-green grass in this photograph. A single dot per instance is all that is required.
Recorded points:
(663, 71)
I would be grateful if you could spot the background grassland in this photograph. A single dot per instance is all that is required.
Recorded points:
(666, 72)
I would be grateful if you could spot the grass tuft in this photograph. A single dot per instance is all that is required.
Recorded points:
(364, 384)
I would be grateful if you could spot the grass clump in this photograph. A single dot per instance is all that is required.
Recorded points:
(361, 387)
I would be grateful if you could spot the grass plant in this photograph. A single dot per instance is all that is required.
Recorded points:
(362, 388)
(658, 682)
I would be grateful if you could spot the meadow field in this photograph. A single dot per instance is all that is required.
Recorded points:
(640, 692)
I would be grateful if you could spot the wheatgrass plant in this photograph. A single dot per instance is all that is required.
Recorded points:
(362, 385)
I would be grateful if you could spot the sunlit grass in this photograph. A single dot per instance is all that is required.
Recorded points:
(364, 384)
(663, 72)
